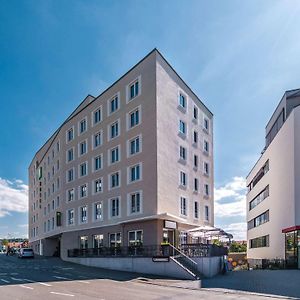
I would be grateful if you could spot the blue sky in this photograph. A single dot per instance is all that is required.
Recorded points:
(238, 56)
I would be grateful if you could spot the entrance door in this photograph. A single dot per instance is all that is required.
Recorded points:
(169, 236)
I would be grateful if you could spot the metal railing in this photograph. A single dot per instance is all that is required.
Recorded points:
(140, 251)
(200, 250)
(187, 251)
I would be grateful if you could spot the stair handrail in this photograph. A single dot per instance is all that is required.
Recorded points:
(176, 249)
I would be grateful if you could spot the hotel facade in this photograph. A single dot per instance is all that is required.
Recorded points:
(273, 199)
(133, 166)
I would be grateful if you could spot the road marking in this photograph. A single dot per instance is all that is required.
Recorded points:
(62, 294)
(15, 279)
(41, 283)
(67, 268)
(63, 278)
(6, 281)
(14, 274)
(26, 287)
(3, 274)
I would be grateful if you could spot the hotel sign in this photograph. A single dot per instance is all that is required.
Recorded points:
(160, 258)
(170, 225)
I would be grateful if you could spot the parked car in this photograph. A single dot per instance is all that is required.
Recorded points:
(26, 252)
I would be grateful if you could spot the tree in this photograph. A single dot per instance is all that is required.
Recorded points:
(237, 247)
(5, 242)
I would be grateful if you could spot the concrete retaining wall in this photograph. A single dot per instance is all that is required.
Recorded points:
(135, 264)
(209, 266)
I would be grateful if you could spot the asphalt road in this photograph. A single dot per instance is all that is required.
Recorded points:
(51, 278)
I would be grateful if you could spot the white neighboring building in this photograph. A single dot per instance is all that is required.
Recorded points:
(273, 199)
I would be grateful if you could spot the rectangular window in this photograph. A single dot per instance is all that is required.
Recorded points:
(195, 161)
(206, 189)
(195, 113)
(135, 203)
(115, 180)
(82, 126)
(114, 130)
(183, 178)
(98, 211)
(182, 152)
(115, 240)
(206, 168)
(259, 198)
(135, 173)
(196, 184)
(196, 210)
(70, 216)
(97, 116)
(262, 241)
(114, 207)
(134, 146)
(183, 206)
(70, 175)
(97, 139)
(70, 134)
(135, 238)
(182, 127)
(114, 104)
(70, 195)
(97, 163)
(83, 169)
(206, 146)
(83, 191)
(206, 124)
(182, 100)
(195, 137)
(134, 90)
(83, 242)
(206, 213)
(259, 220)
(114, 155)
(98, 241)
(83, 148)
(134, 118)
(83, 214)
(98, 186)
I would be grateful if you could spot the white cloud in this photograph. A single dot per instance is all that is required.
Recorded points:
(13, 196)
(230, 201)
(238, 230)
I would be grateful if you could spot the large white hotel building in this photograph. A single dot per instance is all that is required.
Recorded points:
(131, 166)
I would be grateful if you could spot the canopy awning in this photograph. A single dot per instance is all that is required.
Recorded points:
(209, 232)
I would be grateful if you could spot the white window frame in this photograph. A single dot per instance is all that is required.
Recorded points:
(80, 222)
(186, 207)
(204, 150)
(79, 147)
(186, 179)
(109, 180)
(204, 190)
(128, 125)
(129, 145)
(94, 186)
(183, 135)
(204, 169)
(110, 163)
(203, 124)
(206, 217)
(140, 164)
(109, 112)
(94, 161)
(101, 139)
(67, 195)
(109, 138)
(67, 155)
(79, 169)
(93, 116)
(182, 108)
(194, 210)
(128, 98)
(79, 191)
(67, 134)
(94, 211)
(67, 218)
(110, 208)
(129, 213)
(67, 175)
(79, 125)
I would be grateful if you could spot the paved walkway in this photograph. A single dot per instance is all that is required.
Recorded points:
(275, 282)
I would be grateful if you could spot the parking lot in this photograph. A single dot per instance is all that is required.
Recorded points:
(51, 278)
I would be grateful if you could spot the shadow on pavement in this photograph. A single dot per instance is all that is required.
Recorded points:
(274, 282)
